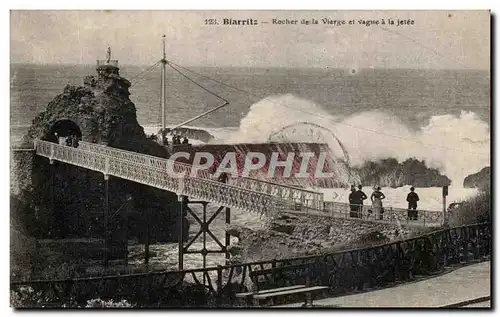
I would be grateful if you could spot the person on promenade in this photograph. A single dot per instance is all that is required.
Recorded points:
(376, 198)
(412, 199)
(354, 202)
(361, 196)
(185, 140)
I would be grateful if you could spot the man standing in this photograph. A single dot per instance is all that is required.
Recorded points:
(354, 202)
(412, 199)
(361, 196)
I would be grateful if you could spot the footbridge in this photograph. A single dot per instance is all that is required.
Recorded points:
(244, 193)
(247, 194)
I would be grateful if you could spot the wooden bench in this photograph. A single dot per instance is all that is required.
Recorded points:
(257, 295)
(306, 291)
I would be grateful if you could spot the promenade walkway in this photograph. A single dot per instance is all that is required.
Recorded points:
(463, 284)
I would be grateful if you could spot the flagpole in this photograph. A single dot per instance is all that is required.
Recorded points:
(163, 89)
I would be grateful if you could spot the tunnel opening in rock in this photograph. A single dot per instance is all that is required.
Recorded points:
(64, 128)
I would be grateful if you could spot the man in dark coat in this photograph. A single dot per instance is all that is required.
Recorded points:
(361, 196)
(354, 202)
(412, 199)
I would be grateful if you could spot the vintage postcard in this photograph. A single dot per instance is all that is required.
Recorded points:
(250, 159)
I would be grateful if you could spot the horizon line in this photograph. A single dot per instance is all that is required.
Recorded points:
(258, 67)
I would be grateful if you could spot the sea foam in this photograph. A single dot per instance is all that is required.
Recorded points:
(455, 145)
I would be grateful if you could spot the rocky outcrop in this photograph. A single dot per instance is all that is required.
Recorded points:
(390, 173)
(100, 111)
(295, 235)
(337, 232)
(480, 180)
(196, 134)
(257, 245)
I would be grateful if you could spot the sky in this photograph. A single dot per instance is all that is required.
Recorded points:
(437, 40)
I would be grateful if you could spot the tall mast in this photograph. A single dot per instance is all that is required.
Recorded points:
(163, 86)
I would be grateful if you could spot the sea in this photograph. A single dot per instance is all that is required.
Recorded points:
(439, 116)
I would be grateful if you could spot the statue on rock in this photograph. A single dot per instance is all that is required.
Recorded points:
(108, 55)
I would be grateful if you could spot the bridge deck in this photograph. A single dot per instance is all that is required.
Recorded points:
(245, 193)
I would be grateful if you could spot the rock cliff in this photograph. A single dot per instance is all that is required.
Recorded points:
(390, 173)
(480, 180)
(100, 111)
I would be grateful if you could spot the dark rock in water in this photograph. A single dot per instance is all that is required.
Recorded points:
(99, 112)
(480, 180)
(196, 134)
(391, 173)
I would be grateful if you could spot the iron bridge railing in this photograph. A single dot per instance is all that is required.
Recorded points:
(393, 215)
(163, 174)
(243, 193)
(287, 195)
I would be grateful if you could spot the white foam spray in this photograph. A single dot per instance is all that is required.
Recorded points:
(456, 145)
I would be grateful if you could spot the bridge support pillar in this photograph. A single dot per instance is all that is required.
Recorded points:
(52, 222)
(180, 224)
(228, 236)
(204, 230)
(147, 242)
(106, 221)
